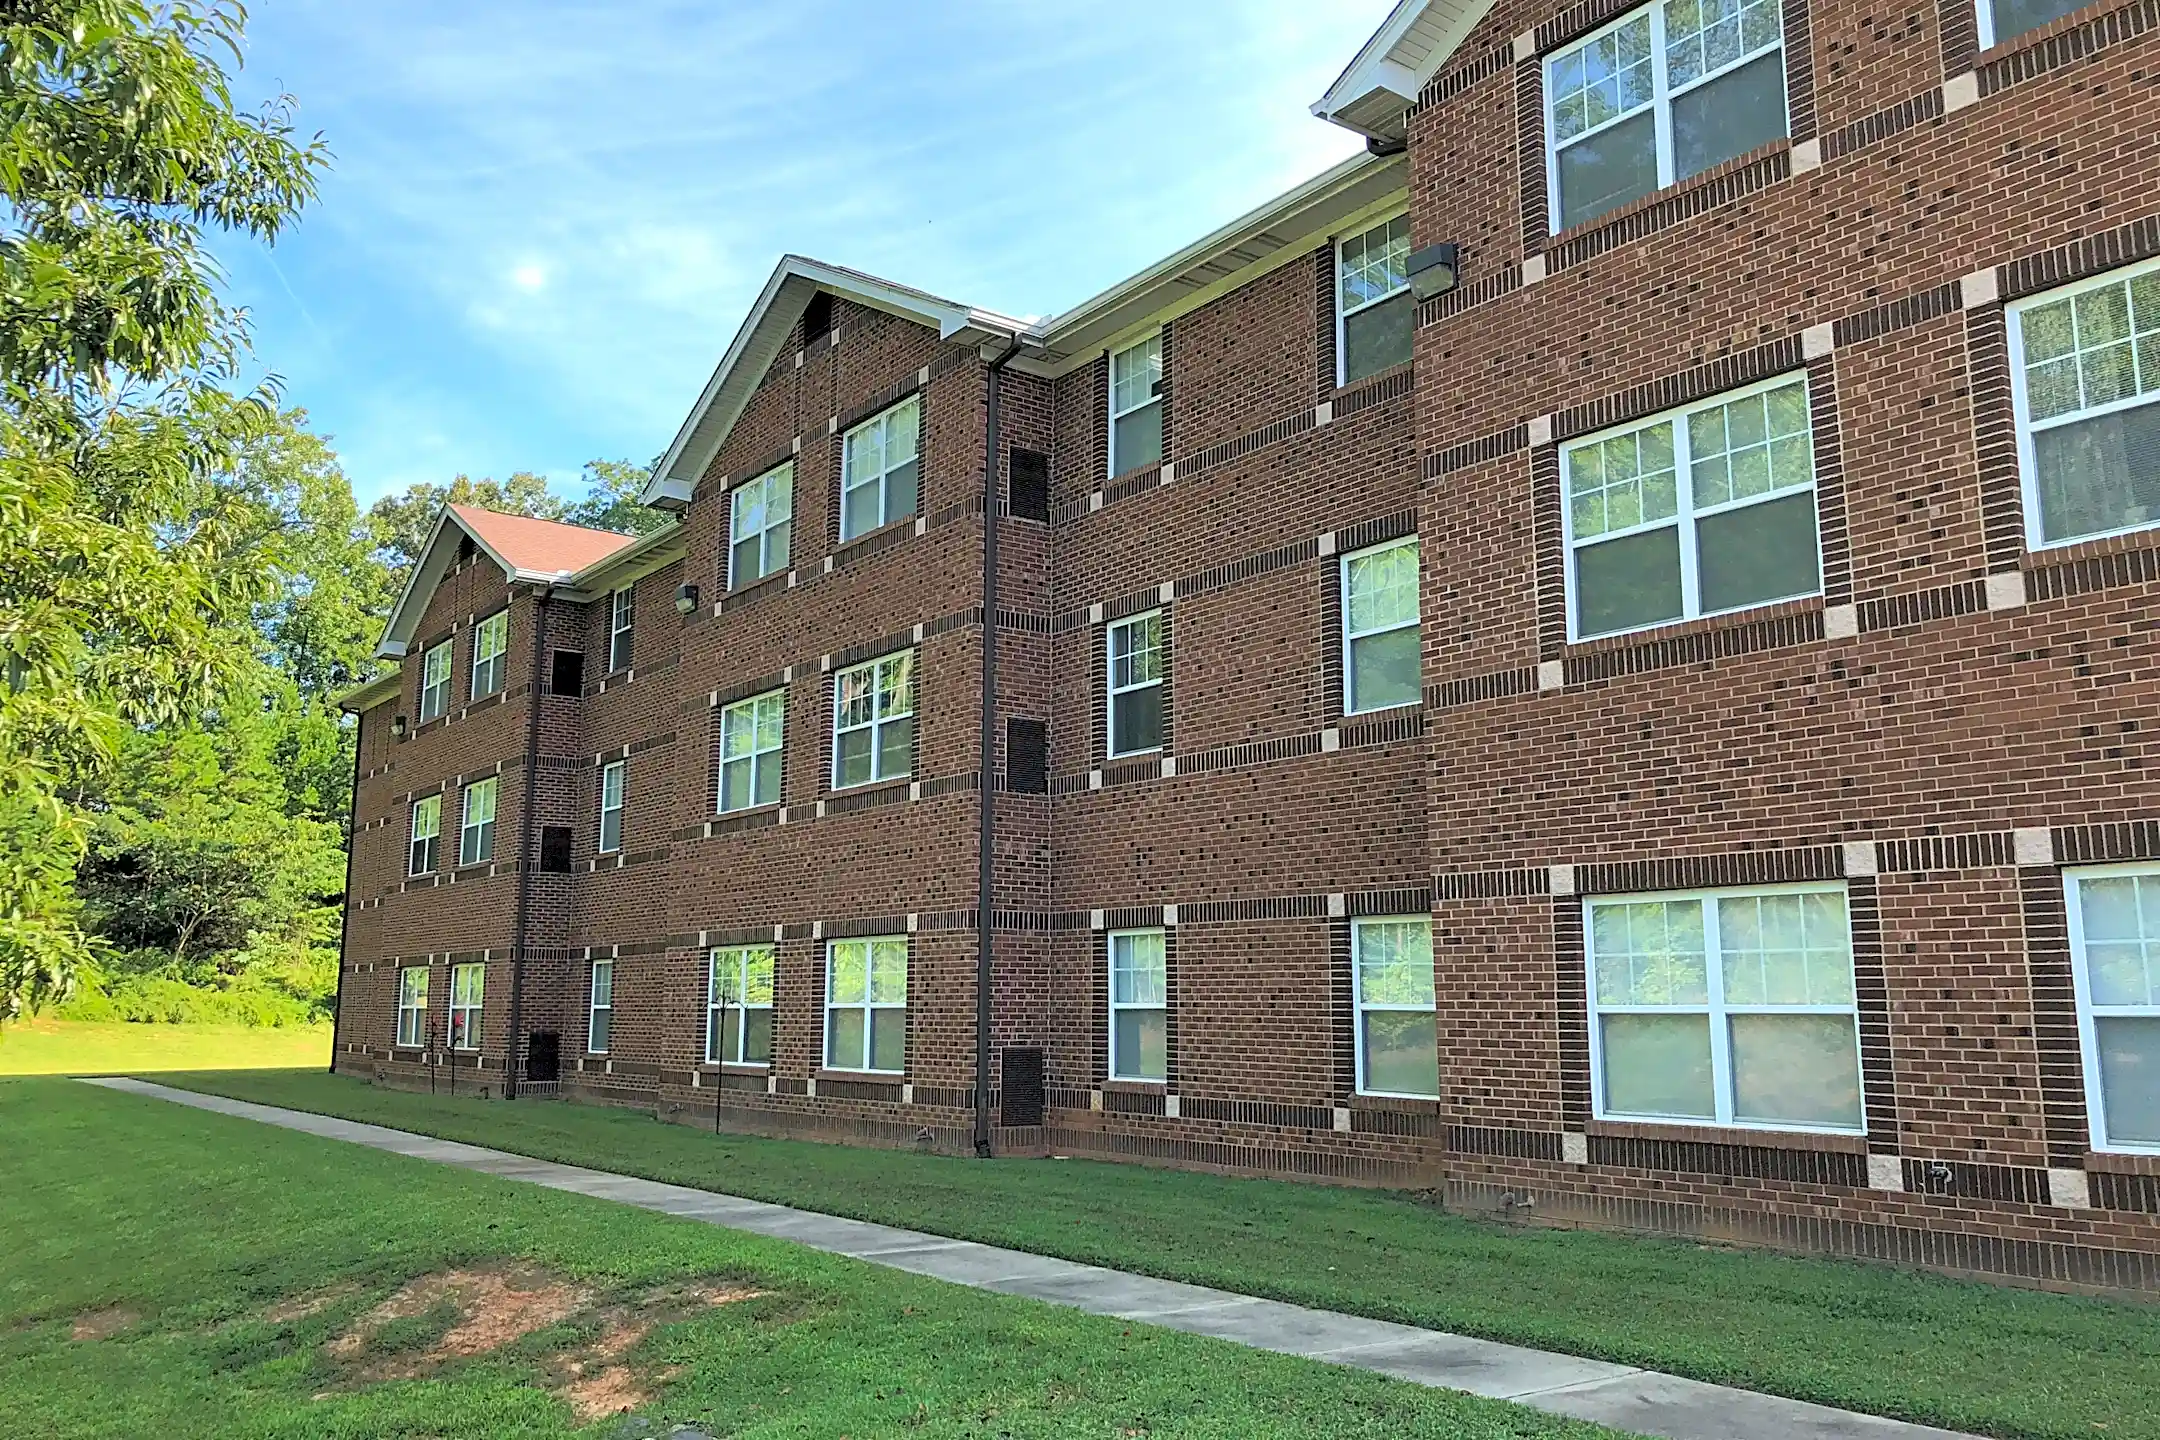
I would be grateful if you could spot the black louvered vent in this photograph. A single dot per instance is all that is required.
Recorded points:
(1021, 1100)
(543, 1056)
(555, 849)
(1027, 756)
(567, 675)
(1030, 498)
(816, 319)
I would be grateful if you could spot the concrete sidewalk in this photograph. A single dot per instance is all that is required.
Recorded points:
(1622, 1396)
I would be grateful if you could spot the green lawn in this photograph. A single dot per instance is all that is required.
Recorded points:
(177, 1274)
(84, 1047)
(1961, 1355)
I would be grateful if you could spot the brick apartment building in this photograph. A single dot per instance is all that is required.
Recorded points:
(1655, 734)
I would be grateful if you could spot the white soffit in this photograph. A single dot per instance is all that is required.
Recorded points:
(1410, 46)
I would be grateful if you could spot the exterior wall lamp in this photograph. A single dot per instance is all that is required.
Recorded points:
(1433, 270)
(685, 599)
(397, 727)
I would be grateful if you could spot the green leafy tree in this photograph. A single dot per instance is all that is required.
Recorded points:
(611, 501)
(400, 523)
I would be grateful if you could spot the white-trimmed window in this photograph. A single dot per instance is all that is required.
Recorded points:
(1134, 650)
(612, 778)
(878, 469)
(468, 986)
(1660, 94)
(2002, 20)
(412, 1007)
(1139, 995)
(1725, 1007)
(1381, 664)
(1373, 306)
(435, 682)
(874, 720)
(1696, 512)
(1136, 405)
(491, 637)
(600, 1013)
(739, 1006)
(426, 834)
(622, 627)
(1398, 1046)
(2115, 943)
(476, 837)
(759, 516)
(750, 742)
(866, 1004)
(2087, 394)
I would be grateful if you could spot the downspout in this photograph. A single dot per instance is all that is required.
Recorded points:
(987, 792)
(344, 928)
(528, 808)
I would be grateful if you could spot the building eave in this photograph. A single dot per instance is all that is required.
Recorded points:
(380, 690)
(1383, 80)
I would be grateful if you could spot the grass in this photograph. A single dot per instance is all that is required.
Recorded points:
(1962, 1355)
(85, 1047)
(157, 1258)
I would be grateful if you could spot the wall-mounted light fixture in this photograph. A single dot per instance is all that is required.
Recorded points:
(1433, 270)
(685, 599)
(397, 727)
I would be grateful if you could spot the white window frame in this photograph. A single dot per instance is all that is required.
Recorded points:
(1117, 1070)
(469, 825)
(2021, 405)
(869, 1006)
(850, 483)
(1661, 97)
(494, 630)
(1721, 1079)
(1362, 1006)
(1415, 622)
(1342, 355)
(737, 1014)
(468, 996)
(780, 478)
(758, 751)
(622, 627)
(432, 804)
(412, 1011)
(599, 1003)
(2087, 1012)
(1112, 690)
(1684, 499)
(435, 682)
(1110, 382)
(614, 785)
(1985, 24)
(875, 726)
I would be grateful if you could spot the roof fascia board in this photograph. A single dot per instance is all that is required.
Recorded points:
(360, 698)
(1378, 69)
(656, 551)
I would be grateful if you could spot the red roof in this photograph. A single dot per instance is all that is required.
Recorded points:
(547, 547)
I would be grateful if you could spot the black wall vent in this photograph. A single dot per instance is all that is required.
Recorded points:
(567, 675)
(1030, 497)
(465, 548)
(816, 320)
(555, 849)
(1027, 756)
(1021, 1100)
(543, 1056)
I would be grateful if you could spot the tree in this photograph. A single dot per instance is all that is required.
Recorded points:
(611, 500)
(400, 523)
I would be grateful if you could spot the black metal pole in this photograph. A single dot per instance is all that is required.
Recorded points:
(986, 792)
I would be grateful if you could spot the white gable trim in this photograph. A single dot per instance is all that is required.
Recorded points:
(1416, 39)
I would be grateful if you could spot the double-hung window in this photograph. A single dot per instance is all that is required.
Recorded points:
(1136, 405)
(759, 515)
(1381, 664)
(622, 626)
(600, 1014)
(878, 469)
(866, 1004)
(476, 838)
(874, 721)
(1139, 995)
(412, 1007)
(1373, 307)
(2087, 362)
(2002, 20)
(1658, 95)
(426, 834)
(468, 985)
(738, 1006)
(750, 737)
(1696, 512)
(435, 682)
(1726, 1007)
(1134, 648)
(1398, 1051)
(491, 637)
(612, 778)
(2115, 942)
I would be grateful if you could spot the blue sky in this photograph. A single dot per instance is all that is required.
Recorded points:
(546, 220)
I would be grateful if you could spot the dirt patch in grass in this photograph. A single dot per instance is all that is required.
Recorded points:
(596, 1381)
(102, 1324)
(300, 1307)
